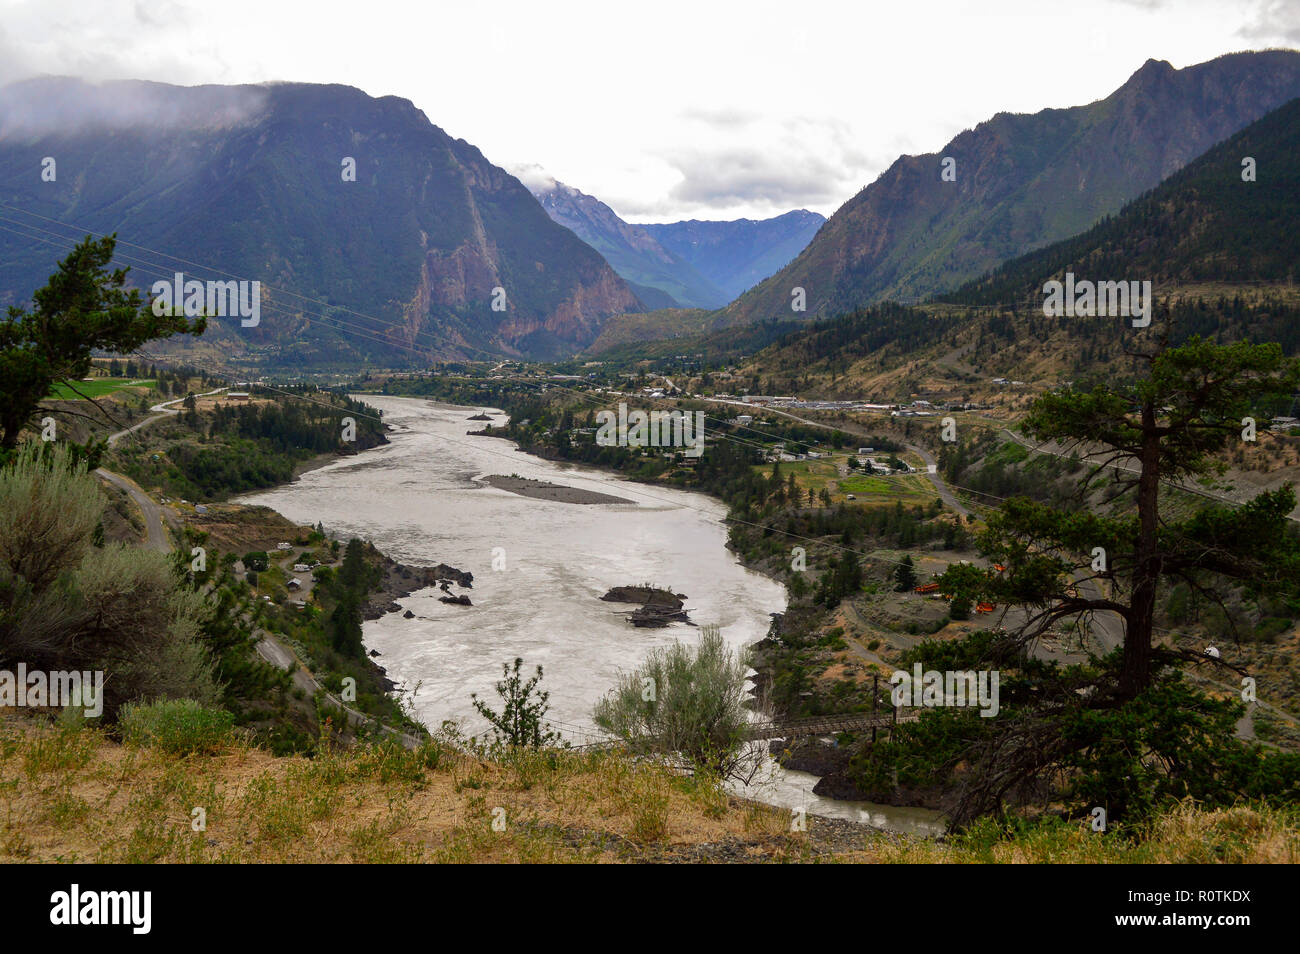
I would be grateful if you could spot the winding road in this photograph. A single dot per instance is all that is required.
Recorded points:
(155, 515)
(158, 517)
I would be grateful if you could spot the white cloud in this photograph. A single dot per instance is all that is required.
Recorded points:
(1274, 22)
(533, 176)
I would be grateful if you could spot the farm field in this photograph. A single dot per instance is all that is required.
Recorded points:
(99, 387)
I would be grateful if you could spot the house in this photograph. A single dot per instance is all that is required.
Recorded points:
(294, 583)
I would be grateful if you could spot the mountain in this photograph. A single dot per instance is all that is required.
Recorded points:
(249, 182)
(1021, 182)
(697, 264)
(630, 249)
(739, 254)
(1205, 223)
(1221, 251)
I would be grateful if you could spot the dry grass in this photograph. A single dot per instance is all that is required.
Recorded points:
(68, 793)
(1185, 834)
(71, 794)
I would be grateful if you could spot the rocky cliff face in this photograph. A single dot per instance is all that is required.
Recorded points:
(248, 182)
(1021, 182)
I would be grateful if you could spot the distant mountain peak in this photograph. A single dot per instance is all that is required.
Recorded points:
(698, 263)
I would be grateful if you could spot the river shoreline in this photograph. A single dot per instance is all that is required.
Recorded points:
(456, 643)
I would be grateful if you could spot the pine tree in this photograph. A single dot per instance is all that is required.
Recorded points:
(905, 575)
(81, 310)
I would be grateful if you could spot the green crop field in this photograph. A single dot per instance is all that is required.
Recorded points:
(908, 488)
(98, 387)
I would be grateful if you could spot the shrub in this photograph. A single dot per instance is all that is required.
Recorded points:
(67, 603)
(682, 700)
(179, 726)
(522, 719)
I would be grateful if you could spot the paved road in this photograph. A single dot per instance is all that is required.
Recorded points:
(931, 465)
(932, 472)
(154, 514)
(155, 535)
(160, 411)
(279, 655)
(1132, 467)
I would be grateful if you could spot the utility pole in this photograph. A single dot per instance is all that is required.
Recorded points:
(875, 698)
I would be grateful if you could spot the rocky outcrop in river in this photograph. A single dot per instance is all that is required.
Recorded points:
(400, 581)
(657, 607)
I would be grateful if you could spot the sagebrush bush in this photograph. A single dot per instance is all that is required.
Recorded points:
(179, 726)
(66, 604)
(682, 700)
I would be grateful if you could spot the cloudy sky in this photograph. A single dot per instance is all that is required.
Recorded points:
(668, 109)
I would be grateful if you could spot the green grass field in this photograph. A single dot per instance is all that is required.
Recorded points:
(98, 387)
(816, 475)
(909, 488)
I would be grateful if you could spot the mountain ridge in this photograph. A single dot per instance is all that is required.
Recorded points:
(909, 235)
(737, 254)
(698, 263)
(419, 241)
(630, 250)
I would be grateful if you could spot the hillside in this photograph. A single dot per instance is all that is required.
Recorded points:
(1021, 181)
(1203, 224)
(74, 794)
(1220, 251)
(654, 326)
(249, 182)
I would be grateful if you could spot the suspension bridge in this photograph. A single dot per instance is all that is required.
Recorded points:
(769, 728)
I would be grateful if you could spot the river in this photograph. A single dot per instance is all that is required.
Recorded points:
(421, 499)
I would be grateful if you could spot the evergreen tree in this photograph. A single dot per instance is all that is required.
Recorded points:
(1126, 724)
(905, 575)
(82, 309)
(521, 721)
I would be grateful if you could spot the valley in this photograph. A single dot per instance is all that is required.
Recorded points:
(891, 459)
